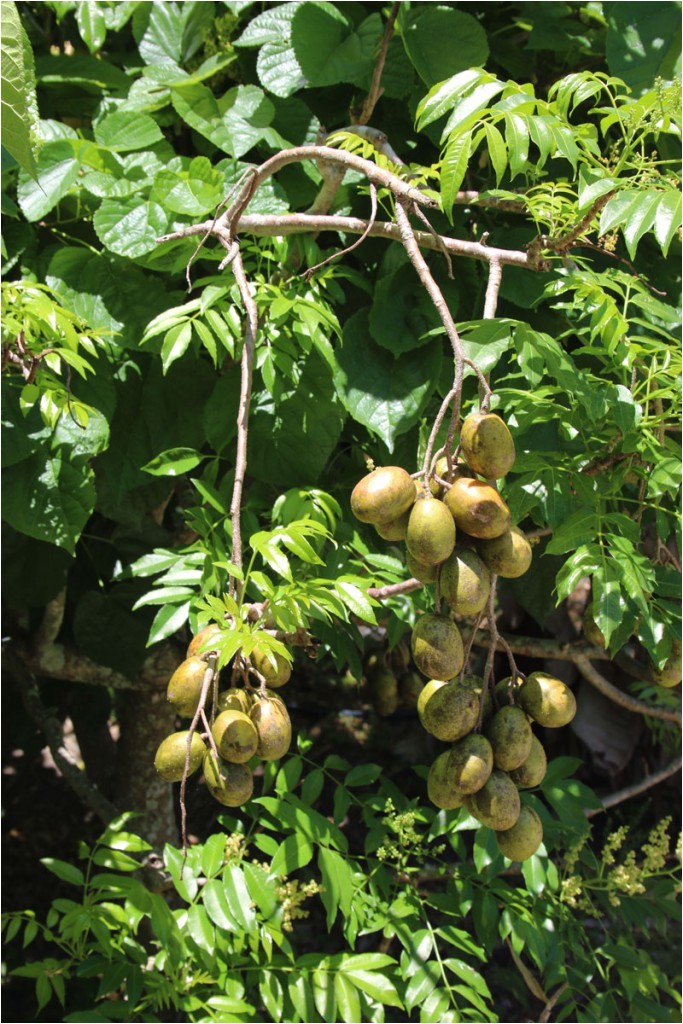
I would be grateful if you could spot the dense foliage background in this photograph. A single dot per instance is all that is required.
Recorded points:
(550, 131)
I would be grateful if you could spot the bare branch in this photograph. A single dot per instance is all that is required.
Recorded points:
(53, 616)
(596, 679)
(492, 289)
(636, 788)
(375, 86)
(393, 589)
(354, 245)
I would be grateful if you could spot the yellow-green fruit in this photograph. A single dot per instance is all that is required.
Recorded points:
(384, 692)
(440, 788)
(524, 838)
(451, 712)
(235, 735)
(395, 529)
(504, 693)
(231, 784)
(276, 672)
(383, 495)
(509, 555)
(170, 757)
(441, 470)
(476, 683)
(431, 531)
(496, 804)
(465, 581)
(487, 445)
(213, 630)
(423, 573)
(437, 647)
(185, 686)
(591, 630)
(532, 772)
(234, 699)
(431, 687)
(548, 700)
(273, 726)
(670, 675)
(470, 763)
(510, 735)
(410, 686)
(477, 508)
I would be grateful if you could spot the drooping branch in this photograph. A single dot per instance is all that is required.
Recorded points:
(636, 788)
(596, 679)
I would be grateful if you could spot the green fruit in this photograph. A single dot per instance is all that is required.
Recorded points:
(231, 784)
(421, 572)
(510, 735)
(273, 727)
(440, 788)
(470, 763)
(430, 537)
(274, 668)
(532, 771)
(384, 692)
(234, 699)
(548, 700)
(235, 735)
(451, 712)
(172, 753)
(487, 445)
(213, 630)
(505, 693)
(437, 647)
(185, 686)
(591, 631)
(523, 838)
(441, 470)
(395, 529)
(496, 804)
(383, 495)
(465, 581)
(410, 687)
(476, 683)
(509, 555)
(431, 687)
(477, 508)
(670, 675)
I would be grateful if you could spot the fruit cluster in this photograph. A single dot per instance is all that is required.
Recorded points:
(248, 722)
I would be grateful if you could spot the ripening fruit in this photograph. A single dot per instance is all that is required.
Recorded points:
(431, 687)
(202, 637)
(440, 786)
(476, 683)
(470, 763)
(430, 537)
(591, 630)
(477, 508)
(234, 699)
(274, 668)
(548, 700)
(235, 735)
(395, 529)
(441, 470)
(524, 838)
(496, 804)
(170, 757)
(532, 772)
(509, 555)
(423, 573)
(451, 712)
(465, 581)
(410, 687)
(437, 647)
(670, 675)
(273, 727)
(487, 445)
(510, 735)
(383, 688)
(383, 495)
(185, 686)
(231, 784)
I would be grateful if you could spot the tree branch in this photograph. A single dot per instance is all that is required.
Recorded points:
(635, 789)
(393, 589)
(492, 289)
(596, 679)
(375, 86)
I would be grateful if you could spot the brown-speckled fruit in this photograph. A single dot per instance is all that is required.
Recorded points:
(505, 692)
(496, 804)
(421, 572)
(429, 688)
(441, 470)
(395, 529)
(235, 735)
(383, 495)
(509, 555)
(273, 726)
(430, 537)
(510, 735)
(437, 647)
(203, 636)
(465, 581)
(477, 508)
(230, 784)
(548, 700)
(524, 838)
(476, 683)
(487, 445)
(383, 690)
(170, 757)
(185, 686)
(274, 668)
(451, 712)
(532, 772)
(670, 675)
(440, 788)
(234, 699)
(470, 763)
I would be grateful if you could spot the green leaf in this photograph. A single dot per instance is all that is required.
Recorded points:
(355, 600)
(167, 621)
(517, 139)
(67, 872)
(363, 775)
(294, 852)
(667, 219)
(173, 32)
(238, 899)
(57, 170)
(235, 123)
(193, 192)
(217, 907)
(18, 104)
(130, 227)
(337, 884)
(401, 314)
(643, 43)
(454, 168)
(429, 39)
(174, 462)
(443, 98)
(497, 149)
(348, 1003)
(376, 984)
(126, 130)
(327, 48)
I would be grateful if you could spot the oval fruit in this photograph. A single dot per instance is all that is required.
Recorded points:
(509, 555)
(383, 495)
(476, 683)
(451, 712)
(440, 788)
(231, 784)
(234, 699)
(532, 772)
(395, 529)
(431, 687)
(524, 838)
(185, 686)
(487, 445)
(477, 508)
(670, 675)
(441, 470)
(203, 636)
(437, 647)
(591, 630)
(420, 571)
(170, 757)
(273, 727)
(496, 804)
(274, 667)
(235, 735)
(383, 688)
(470, 763)
(465, 581)
(548, 700)
(430, 537)
(510, 735)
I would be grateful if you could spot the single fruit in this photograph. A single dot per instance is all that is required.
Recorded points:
(395, 529)
(548, 700)
(476, 683)
(274, 667)
(440, 788)
(496, 804)
(203, 636)
(505, 692)
(477, 508)
(670, 675)
(383, 495)
(234, 699)
(235, 735)
(465, 581)
(437, 647)
(524, 838)
(410, 686)
(185, 686)
(451, 712)
(470, 763)
(591, 630)
(510, 735)
(430, 537)
(423, 573)
(273, 727)
(441, 470)
(170, 757)
(487, 445)
(509, 555)
(431, 687)
(532, 771)
(383, 688)
(230, 784)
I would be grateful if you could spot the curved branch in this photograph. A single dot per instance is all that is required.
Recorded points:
(639, 707)
(636, 788)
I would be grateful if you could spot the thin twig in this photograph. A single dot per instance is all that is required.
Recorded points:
(635, 789)
(375, 86)
(393, 589)
(207, 682)
(421, 215)
(550, 1005)
(354, 245)
(492, 289)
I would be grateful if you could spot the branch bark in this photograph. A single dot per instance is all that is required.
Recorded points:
(636, 788)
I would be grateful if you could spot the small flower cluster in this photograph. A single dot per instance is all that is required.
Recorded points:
(291, 895)
(408, 843)
(234, 849)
